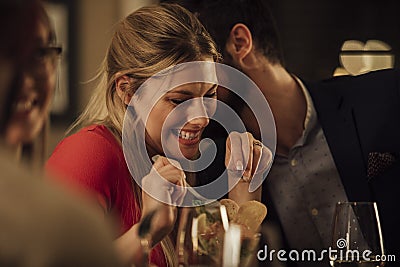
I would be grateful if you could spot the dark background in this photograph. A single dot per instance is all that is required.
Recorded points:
(313, 31)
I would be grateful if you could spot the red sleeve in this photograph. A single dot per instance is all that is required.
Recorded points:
(88, 162)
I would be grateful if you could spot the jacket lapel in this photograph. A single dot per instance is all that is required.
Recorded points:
(339, 124)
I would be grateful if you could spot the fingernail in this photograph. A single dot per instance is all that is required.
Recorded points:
(239, 166)
(247, 176)
(155, 157)
(171, 190)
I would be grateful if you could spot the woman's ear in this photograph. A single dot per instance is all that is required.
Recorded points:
(240, 43)
(122, 85)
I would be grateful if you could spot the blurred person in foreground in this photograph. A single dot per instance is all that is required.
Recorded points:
(337, 140)
(40, 225)
(30, 50)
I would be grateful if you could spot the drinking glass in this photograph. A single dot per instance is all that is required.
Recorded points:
(200, 236)
(357, 236)
(206, 238)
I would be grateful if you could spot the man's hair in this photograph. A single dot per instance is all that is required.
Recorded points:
(219, 16)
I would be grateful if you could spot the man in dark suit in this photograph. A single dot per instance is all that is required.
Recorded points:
(337, 140)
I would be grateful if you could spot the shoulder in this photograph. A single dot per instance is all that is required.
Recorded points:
(382, 84)
(96, 138)
(383, 78)
(92, 155)
(93, 144)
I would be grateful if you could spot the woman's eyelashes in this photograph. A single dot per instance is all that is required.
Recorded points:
(177, 101)
(211, 95)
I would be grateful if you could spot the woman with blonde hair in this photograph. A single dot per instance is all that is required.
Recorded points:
(146, 43)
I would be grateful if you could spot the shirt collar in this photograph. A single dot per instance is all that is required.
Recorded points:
(311, 115)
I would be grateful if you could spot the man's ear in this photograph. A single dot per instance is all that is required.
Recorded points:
(122, 85)
(240, 43)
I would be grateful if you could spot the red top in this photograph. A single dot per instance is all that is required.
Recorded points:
(92, 160)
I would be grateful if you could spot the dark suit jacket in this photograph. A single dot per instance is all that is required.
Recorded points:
(360, 115)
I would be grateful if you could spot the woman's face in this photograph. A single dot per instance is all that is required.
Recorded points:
(36, 86)
(184, 128)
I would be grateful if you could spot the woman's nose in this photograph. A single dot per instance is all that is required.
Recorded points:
(198, 113)
(200, 121)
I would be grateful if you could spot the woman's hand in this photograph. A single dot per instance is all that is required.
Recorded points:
(246, 159)
(162, 189)
(158, 194)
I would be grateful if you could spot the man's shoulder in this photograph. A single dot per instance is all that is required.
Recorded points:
(372, 76)
(370, 82)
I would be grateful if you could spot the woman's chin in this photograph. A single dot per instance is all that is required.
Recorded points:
(190, 153)
(189, 149)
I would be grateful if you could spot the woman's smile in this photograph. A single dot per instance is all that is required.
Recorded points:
(26, 104)
(188, 137)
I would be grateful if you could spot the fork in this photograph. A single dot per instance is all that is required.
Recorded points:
(200, 198)
(143, 232)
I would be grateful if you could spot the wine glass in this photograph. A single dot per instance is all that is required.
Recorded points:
(357, 236)
(200, 236)
(240, 247)
(207, 238)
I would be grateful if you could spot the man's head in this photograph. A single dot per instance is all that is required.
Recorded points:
(224, 20)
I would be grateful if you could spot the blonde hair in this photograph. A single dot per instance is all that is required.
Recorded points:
(147, 41)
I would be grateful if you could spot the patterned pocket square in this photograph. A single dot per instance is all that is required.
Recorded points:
(379, 162)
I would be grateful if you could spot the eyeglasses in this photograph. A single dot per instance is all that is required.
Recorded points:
(43, 60)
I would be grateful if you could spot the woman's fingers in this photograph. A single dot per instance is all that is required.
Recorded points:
(166, 181)
(246, 154)
(263, 165)
(233, 158)
(169, 169)
(257, 155)
(237, 152)
(171, 174)
(248, 148)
